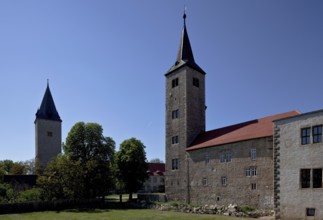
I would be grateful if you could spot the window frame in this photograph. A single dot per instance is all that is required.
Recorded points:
(253, 154)
(317, 134)
(224, 181)
(305, 135)
(175, 114)
(175, 164)
(251, 171)
(175, 82)
(317, 177)
(305, 178)
(196, 82)
(207, 158)
(225, 156)
(175, 139)
(204, 181)
(310, 211)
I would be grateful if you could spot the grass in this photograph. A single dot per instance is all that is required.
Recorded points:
(105, 214)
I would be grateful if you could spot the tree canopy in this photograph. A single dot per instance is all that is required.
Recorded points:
(131, 165)
(84, 171)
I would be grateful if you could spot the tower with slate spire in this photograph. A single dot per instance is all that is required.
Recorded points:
(185, 117)
(48, 131)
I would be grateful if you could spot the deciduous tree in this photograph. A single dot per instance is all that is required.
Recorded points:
(84, 170)
(131, 165)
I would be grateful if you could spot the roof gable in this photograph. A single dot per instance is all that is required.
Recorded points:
(253, 129)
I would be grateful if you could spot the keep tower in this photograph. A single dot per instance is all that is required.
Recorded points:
(48, 131)
(185, 116)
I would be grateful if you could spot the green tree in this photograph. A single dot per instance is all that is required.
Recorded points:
(86, 144)
(18, 168)
(84, 170)
(131, 166)
(62, 179)
(6, 165)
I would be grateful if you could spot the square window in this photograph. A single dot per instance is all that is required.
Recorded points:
(175, 139)
(251, 171)
(175, 114)
(317, 134)
(253, 186)
(174, 82)
(310, 212)
(305, 135)
(196, 82)
(305, 178)
(225, 156)
(49, 134)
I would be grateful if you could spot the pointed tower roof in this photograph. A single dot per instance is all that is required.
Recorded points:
(185, 54)
(47, 108)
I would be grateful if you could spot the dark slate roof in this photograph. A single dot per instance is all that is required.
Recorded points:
(257, 128)
(47, 108)
(185, 54)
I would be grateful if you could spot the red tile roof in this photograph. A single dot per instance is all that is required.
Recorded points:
(257, 128)
(156, 169)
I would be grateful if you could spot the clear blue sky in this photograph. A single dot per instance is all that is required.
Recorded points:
(106, 62)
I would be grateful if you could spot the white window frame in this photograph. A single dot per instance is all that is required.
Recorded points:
(253, 154)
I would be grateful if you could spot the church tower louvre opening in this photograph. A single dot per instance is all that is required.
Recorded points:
(48, 131)
(185, 116)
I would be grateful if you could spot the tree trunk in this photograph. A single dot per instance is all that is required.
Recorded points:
(130, 196)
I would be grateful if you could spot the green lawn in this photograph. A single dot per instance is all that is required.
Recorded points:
(113, 215)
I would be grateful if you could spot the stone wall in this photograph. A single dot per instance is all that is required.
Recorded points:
(48, 140)
(238, 187)
(190, 102)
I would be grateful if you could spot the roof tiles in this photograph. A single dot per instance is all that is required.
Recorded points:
(257, 128)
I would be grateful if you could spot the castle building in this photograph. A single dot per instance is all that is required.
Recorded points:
(298, 164)
(48, 131)
(233, 164)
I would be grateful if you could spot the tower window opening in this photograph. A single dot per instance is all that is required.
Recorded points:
(196, 82)
(174, 82)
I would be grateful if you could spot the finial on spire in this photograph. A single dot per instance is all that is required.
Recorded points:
(184, 16)
(47, 82)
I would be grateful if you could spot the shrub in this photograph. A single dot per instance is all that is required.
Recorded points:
(30, 195)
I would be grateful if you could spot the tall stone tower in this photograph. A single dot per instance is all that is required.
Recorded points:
(185, 117)
(48, 130)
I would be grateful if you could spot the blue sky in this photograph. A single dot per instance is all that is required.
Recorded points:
(106, 62)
